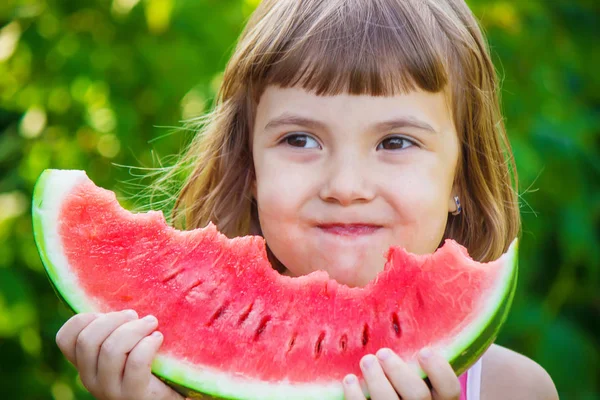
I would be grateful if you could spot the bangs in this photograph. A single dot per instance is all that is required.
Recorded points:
(375, 47)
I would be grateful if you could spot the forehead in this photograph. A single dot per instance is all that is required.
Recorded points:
(276, 102)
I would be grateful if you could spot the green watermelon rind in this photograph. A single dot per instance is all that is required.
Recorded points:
(471, 345)
(462, 353)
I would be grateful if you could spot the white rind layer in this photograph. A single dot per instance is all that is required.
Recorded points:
(225, 385)
(46, 206)
(56, 186)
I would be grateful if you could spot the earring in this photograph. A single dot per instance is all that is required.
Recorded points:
(458, 207)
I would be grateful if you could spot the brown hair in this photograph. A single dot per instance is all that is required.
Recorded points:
(378, 48)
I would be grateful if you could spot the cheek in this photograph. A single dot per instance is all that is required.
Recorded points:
(279, 208)
(283, 185)
(282, 192)
(278, 191)
(420, 201)
(422, 187)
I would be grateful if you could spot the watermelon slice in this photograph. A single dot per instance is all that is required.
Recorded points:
(234, 327)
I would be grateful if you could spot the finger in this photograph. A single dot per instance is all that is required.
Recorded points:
(66, 337)
(352, 390)
(139, 362)
(404, 379)
(378, 384)
(87, 346)
(444, 381)
(114, 350)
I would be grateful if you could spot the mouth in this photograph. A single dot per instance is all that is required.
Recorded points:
(349, 229)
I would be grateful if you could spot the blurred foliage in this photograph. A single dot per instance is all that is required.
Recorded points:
(92, 84)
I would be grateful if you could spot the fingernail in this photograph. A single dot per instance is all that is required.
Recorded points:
(150, 319)
(425, 353)
(350, 379)
(156, 334)
(368, 361)
(384, 354)
(130, 313)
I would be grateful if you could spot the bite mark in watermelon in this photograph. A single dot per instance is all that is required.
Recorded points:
(235, 328)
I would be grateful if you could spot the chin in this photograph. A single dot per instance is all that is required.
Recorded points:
(351, 281)
(353, 278)
(351, 267)
(350, 272)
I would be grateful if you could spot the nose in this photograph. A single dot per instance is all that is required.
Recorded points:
(347, 181)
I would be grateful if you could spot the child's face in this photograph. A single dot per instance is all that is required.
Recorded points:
(335, 193)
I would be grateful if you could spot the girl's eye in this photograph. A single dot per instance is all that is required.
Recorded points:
(303, 141)
(395, 143)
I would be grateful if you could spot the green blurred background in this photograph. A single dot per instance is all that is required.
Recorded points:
(96, 84)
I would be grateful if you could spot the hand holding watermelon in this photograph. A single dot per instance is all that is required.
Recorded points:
(113, 353)
(388, 377)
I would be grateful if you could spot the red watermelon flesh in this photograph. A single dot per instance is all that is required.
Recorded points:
(231, 321)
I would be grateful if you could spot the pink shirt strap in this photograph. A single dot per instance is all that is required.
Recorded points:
(470, 382)
(463, 385)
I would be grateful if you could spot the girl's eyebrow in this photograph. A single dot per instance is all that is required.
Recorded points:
(394, 123)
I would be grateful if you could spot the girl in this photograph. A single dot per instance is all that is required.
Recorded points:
(343, 127)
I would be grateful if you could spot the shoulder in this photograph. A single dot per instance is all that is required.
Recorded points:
(507, 374)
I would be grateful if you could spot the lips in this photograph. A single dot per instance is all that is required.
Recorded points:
(349, 229)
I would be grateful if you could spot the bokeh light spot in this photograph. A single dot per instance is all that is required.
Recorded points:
(12, 205)
(47, 25)
(61, 391)
(68, 45)
(123, 7)
(9, 38)
(79, 86)
(30, 341)
(59, 100)
(103, 120)
(108, 146)
(158, 15)
(33, 123)
(193, 104)
(506, 16)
